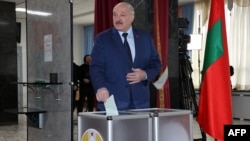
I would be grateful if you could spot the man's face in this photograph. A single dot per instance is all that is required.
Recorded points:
(122, 18)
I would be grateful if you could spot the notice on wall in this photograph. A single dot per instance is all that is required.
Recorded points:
(48, 48)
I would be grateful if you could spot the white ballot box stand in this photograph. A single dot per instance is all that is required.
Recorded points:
(170, 124)
(96, 126)
(136, 125)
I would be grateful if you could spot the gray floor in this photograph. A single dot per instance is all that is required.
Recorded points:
(19, 132)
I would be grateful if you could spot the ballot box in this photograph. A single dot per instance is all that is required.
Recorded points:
(127, 126)
(169, 124)
(136, 125)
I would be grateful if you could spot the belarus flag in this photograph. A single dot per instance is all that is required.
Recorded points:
(215, 103)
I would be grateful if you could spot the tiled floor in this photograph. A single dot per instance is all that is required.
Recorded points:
(19, 132)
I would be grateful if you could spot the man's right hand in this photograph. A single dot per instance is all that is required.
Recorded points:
(102, 94)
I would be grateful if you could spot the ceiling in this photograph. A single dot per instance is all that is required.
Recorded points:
(83, 10)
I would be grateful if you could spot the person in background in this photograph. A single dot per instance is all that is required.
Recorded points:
(231, 74)
(231, 70)
(86, 88)
(75, 86)
(124, 62)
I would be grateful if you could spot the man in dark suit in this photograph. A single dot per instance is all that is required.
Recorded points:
(86, 88)
(116, 71)
(75, 87)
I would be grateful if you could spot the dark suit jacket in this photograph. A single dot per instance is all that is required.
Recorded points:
(110, 65)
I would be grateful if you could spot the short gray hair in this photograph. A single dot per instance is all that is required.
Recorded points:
(128, 5)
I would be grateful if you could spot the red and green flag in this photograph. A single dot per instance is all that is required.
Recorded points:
(215, 102)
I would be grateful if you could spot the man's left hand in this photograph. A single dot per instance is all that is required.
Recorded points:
(136, 76)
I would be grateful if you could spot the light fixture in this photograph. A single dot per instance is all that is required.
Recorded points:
(33, 12)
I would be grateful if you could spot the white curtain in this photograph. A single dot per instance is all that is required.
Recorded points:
(201, 13)
(239, 44)
(238, 29)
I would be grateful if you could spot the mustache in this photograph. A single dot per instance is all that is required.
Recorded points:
(118, 22)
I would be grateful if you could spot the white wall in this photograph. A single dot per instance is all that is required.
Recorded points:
(78, 46)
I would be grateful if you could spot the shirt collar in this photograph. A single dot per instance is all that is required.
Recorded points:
(129, 32)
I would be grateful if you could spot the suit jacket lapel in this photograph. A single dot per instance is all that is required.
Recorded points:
(137, 46)
(119, 44)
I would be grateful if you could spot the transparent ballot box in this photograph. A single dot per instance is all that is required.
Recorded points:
(136, 125)
(170, 124)
(96, 126)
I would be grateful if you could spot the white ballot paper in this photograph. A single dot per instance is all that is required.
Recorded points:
(162, 80)
(110, 107)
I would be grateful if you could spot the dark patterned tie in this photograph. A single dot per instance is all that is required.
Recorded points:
(126, 45)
